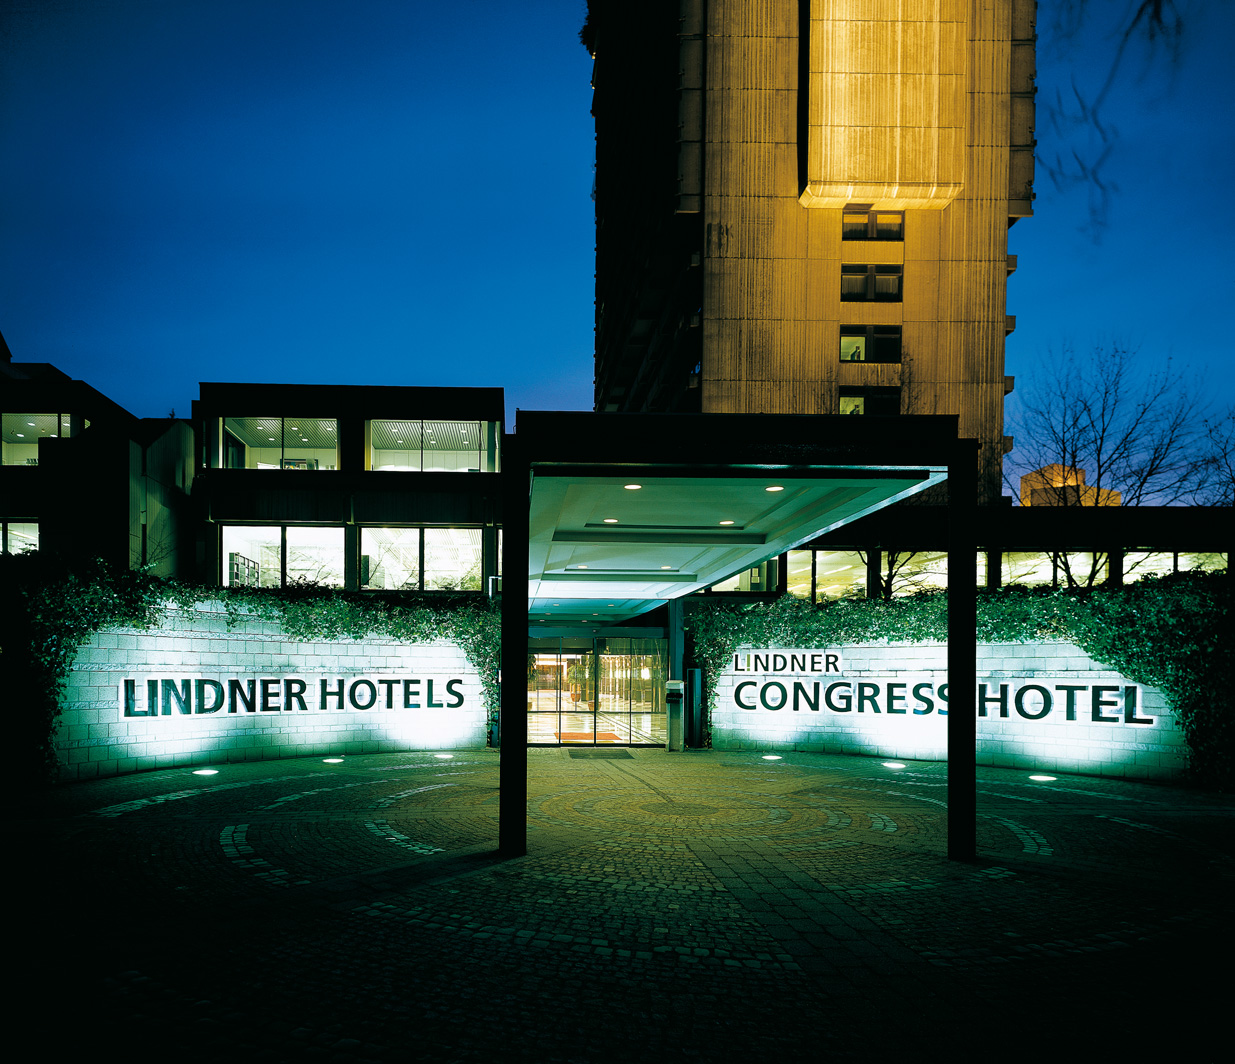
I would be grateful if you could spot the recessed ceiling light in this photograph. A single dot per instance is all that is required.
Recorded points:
(443, 757)
(726, 522)
(205, 772)
(580, 566)
(632, 487)
(771, 757)
(30, 423)
(666, 566)
(892, 764)
(22, 435)
(270, 438)
(332, 760)
(775, 487)
(1043, 779)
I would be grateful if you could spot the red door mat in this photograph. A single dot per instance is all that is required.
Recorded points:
(587, 737)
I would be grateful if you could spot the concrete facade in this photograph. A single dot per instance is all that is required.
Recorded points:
(96, 738)
(1099, 722)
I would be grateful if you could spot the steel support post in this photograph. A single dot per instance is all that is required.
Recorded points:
(962, 652)
(512, 774)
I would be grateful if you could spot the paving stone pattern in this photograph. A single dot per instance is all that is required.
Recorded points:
(700, 906)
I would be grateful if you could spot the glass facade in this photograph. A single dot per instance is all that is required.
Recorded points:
(280, 443)
(279, 555)
(603, 692)
(433, 446)
(416, 559)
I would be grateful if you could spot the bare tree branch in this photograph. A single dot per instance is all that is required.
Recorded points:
(1155, 27)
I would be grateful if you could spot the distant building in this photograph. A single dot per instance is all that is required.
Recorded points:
(803, 208)
(1060, 485)
(82, 478)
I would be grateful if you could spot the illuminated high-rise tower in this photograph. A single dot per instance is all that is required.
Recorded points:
(802, 207)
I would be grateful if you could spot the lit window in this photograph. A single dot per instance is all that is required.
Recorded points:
(390, 559)
(274, 555)
(308, 443)
(433, 446)
(21, 435)
(870, 284)
(861, 223)
(17, 537)
(879, 402)
(421, 559)
(870, 343)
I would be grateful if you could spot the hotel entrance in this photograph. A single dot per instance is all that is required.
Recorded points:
(596, 692)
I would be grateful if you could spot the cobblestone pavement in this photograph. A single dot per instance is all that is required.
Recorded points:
(699, 906)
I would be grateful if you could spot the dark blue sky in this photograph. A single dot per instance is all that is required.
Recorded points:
(397, 192)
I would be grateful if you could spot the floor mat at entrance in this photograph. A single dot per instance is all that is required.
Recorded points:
(611, 755)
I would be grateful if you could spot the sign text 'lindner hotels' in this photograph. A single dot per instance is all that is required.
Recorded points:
(167, 696)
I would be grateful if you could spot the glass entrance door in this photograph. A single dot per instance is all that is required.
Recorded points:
(598, 692)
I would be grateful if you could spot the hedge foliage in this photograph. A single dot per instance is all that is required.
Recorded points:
(1171, 632)
(46, 615)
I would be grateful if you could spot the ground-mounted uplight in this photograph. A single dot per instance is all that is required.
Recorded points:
(771, 757)
(444, 757)
(892, 764)
(205, 772)
(1043, 779)
(332, 760)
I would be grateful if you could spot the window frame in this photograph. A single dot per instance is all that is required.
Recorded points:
(872, 272)
(872, 224)
(870, 334)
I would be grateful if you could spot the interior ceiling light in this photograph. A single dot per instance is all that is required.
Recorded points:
(775, 487)
(30, 423)
(1043, 779)
(332, 760)
(611, 520)
(892, 764)
(21, 435)
(666, 566)
(205, 772)
(632, 487)
(580, 566)
(443, 757)
(726, 522)
(771, 757)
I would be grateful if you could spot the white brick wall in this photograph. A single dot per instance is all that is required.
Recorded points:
(96, 739)
(1152, 751)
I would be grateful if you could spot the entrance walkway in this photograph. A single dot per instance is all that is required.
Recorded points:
(707, 906)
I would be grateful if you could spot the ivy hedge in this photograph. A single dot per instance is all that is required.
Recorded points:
(47, 614)
(1171, 632)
